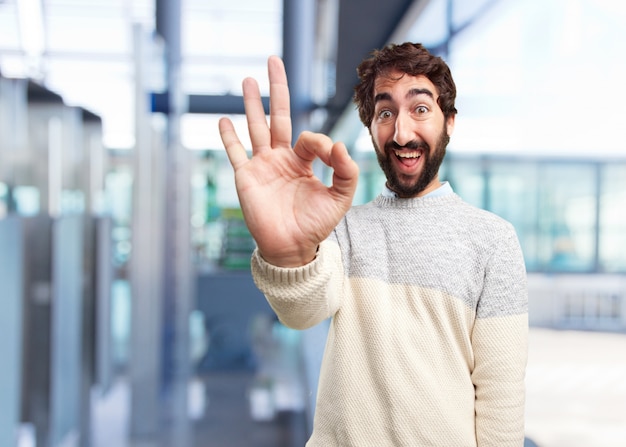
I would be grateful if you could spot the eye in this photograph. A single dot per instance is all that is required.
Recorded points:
(384, 114)
(421, 110)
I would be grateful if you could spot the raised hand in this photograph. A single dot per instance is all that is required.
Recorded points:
(287, 209)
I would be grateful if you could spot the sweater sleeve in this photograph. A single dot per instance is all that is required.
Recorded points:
(303, 296)
(500, 346)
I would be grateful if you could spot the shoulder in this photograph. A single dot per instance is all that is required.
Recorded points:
(480, 218)
(486, 231)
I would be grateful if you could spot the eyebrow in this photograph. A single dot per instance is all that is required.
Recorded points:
(420, 91)
(411, 93)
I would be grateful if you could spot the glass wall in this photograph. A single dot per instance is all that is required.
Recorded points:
(567, 217)
(612, 224)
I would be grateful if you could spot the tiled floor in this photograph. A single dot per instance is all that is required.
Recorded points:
(576, 389)
(576, 397)
(225, 421)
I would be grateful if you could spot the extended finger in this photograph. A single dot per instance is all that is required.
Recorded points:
(234, 149)
(280, 118)
(255, 116)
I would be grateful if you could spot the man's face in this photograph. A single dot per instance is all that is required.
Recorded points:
(409, 133)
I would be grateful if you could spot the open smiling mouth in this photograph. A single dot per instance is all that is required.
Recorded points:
(408, 157)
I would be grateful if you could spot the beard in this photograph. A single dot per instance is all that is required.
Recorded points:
(432, 163)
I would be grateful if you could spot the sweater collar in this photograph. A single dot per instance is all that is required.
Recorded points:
(444, 190)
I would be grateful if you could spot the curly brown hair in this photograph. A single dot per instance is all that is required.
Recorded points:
(410, 58)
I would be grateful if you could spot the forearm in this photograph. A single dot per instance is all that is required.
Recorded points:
(302, 296)
(500, 354)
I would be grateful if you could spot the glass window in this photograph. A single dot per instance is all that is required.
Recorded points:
(612, 236)
(371, 177)
(467, 178)
(566, 217)
(513, 195)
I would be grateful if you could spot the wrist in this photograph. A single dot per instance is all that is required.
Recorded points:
(290, 260)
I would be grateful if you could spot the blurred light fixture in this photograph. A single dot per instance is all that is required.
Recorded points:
(32, 33)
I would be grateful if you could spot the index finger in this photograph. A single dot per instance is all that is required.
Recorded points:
(234, 149)
(280, 117)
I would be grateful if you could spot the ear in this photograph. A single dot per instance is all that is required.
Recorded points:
(450, 124)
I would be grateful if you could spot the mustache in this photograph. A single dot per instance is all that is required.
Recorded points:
(413, 144)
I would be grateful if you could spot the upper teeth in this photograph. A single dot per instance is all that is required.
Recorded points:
(415, 154)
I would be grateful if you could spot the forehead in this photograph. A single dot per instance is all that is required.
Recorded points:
(400, 83)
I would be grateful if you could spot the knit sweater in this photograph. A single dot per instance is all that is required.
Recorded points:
(427, 344)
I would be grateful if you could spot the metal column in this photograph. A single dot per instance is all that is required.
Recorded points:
(12, 280)
(145, 263)
(177, 268)
(298, 55)
(162, 271)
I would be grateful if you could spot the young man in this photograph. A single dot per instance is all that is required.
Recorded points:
(427, 294)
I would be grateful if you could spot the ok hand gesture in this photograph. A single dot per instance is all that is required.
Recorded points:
(287, 209)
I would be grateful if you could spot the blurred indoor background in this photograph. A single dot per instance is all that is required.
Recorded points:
(128, 314)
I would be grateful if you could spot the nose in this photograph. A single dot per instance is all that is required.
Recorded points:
(403, 131)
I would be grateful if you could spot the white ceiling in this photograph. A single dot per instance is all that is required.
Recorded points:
(528, 73)
(87, 50)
